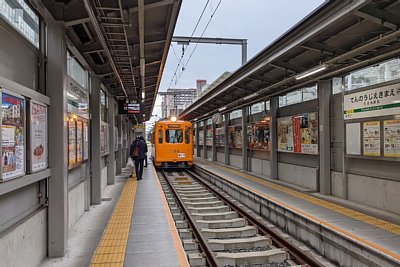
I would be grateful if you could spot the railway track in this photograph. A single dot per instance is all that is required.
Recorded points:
(219, 231)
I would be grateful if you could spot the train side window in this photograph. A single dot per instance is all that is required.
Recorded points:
(187, 135)
(174, 136)
(160, 139)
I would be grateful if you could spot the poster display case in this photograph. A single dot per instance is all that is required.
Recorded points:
(71, 142)
(235, 136)
(391, 131)
(78, 141)
(104, 138)
(13, 135)
(220, 137)
(85, 141)
(209, 136)
(298, 134)
(372, 138)
(38, 136)
(258, 134)
(201, 138)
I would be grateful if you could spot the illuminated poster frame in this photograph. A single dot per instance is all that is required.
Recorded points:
(38, 136)
(15, 146)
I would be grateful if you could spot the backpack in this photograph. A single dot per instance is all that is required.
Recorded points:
(136, 151)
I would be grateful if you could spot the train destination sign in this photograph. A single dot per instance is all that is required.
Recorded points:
(128, 108)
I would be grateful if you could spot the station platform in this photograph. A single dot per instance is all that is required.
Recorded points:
(141, 231)
(376, 234)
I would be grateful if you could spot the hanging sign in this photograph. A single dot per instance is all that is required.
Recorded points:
(371, 138)
(13, 136)
(382, 101)
(38, 145)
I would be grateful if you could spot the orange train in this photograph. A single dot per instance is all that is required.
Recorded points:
(172, 144)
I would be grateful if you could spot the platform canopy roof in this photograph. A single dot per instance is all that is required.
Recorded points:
(339, 36)
(125, 42)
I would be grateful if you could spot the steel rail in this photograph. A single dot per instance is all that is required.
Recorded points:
(299, 255)
(205, 248)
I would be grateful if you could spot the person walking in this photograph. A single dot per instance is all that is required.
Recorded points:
(139, 154)
(131, 156)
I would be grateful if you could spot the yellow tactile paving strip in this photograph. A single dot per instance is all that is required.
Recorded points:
(390, 227)
(111, 249)
(180, 251)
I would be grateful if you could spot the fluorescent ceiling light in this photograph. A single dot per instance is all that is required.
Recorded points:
(143, 94)
(221, 109)
(310, 72)
(250, 96)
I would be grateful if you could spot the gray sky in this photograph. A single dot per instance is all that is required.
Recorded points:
(260, 21)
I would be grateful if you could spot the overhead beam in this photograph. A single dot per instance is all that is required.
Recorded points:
(76, 22)
(377, 20)
(287, 67)
(141, 45)
(323, 48)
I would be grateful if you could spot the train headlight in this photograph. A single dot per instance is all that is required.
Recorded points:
(173, 118)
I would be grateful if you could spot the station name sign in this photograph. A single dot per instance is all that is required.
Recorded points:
(382, 101)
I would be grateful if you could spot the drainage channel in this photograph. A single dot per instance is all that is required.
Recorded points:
(216, 230)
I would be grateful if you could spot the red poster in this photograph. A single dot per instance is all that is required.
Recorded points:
(296, 134)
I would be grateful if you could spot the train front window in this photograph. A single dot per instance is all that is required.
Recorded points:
(174, 136)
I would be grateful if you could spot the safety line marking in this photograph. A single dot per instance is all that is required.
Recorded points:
(305, 197)
(111, 249)
(180, 251)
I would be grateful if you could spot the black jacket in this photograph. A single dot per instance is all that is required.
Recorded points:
(142, 149)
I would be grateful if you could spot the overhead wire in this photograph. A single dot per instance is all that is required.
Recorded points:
(197, 43)
(184, 50)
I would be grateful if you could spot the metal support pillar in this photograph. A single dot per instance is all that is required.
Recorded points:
(95, 111)
(324, 93)
(119, 138)
(204, 133)
(214, 147)
(274, 139)
(245, 151)
(111, 135)
(58, 182)
(226, 137)
(244, 51)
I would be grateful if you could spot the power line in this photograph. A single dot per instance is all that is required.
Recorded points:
(184, 50)
(197, 43)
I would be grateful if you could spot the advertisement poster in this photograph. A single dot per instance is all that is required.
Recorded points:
(85, 141)
(13, 143)
(259, 135)
(372, 138)
(391, 129)
(103, 137)
(298, 134)
(235, 136)
(38, 137)
(220, 137)
(201, 138)
(115, 138)
(382, 101)
(353, 138)
(79, 140)
(285, 134)
(71, 142)
(209, 137)
(309, 133)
